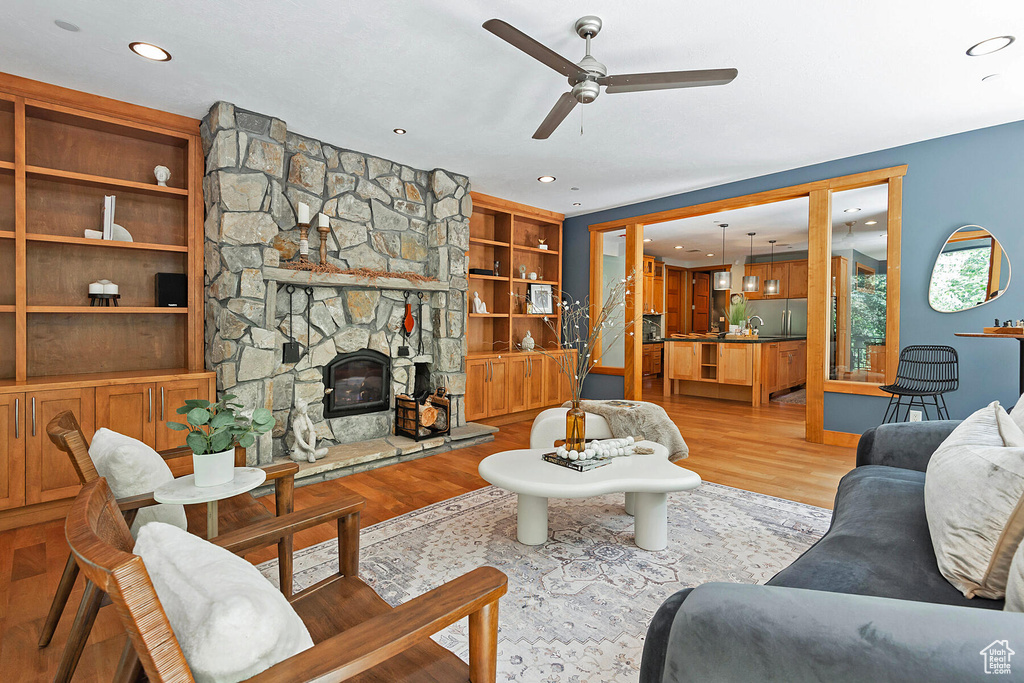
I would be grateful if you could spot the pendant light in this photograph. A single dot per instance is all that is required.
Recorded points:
(751, 283)
(723, 278)
(771, 286)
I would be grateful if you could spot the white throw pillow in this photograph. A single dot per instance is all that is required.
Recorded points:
(1017, 413)
(230, 621)
(132, 468)
(973, 492)
(1015, 584)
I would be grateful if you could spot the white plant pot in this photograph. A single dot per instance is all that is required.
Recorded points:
(214, 469)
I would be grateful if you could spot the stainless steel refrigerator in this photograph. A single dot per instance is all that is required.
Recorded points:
(781, 316)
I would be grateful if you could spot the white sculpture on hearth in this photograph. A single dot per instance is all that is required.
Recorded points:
(478, 305)
(304, 449)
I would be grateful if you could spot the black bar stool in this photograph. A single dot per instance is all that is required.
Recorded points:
(923, 372)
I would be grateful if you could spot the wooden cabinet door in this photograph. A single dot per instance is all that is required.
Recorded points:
(535, 381)
(659, 294)
(780, 271)
(476, 389)
(49, 474)
(497, 387)
(169, 397)
(770, 367)
(735, 364)
(516, 369)
(648, 293)
(556, 384)
(673, 300)
(682, 360)
(12, 450)
(646, 363)
(656, 360)
(798, 280)
(128, 409)
(701, 302)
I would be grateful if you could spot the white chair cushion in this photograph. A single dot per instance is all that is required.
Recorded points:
(132, 468)
(973, 492)
(230, 621)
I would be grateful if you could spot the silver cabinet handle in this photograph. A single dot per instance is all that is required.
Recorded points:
(150, 404)
(17, 418)
(161, 404)
(33, 416)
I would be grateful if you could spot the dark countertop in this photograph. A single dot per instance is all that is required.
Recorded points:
(653, 341)
(760, 340)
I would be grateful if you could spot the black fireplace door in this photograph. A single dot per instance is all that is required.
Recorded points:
(356, 383)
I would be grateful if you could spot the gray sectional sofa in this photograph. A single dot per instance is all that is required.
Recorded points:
(865, 603)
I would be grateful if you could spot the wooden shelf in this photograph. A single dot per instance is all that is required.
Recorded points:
(95, 379)
(7, 165)
(477, 276)
(488, 315)
(6, 309)
(523, 247)
(536, 282)
(6, 234)
(106, 309)
(493, 243)
(534, 315)
(116, 244)
(102, 181)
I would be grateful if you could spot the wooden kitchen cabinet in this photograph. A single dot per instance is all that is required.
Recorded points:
(682, 361)
(534, 381)
(517, 380)
(792, 277)
(736, 364)
(12, 450)
(487, 392)
(49, 474)
(797, 279)
(556, 385)
(761, 271)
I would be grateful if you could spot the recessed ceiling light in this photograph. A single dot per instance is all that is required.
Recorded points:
(149, 51)
(576, 204)
(853, 210)
(574, 189)
(870, 222)
(66, 25)
(648, 239)
(710, 254)
(987, 47)
(547, 178)
(398, 131)
(679, 246)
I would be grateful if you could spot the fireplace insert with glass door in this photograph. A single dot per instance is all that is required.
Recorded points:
(357, 383)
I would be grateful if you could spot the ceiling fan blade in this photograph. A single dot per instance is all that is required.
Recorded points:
(665, 80)
(557, 114)
(541, 53)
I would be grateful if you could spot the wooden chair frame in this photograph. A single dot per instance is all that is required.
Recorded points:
(65, 432)
(102, 545)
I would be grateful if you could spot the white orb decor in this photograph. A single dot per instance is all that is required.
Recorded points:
(573, 455)
(629, 440)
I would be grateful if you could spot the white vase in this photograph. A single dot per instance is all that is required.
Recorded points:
(213, 469)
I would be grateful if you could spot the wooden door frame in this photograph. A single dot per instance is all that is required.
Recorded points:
(819, 228)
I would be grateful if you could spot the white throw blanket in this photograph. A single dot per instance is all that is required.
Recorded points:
(642, 421)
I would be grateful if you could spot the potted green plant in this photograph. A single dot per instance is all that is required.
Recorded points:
(736, 314)
(214, 429)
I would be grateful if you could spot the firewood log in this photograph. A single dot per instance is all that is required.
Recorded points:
(428, 414)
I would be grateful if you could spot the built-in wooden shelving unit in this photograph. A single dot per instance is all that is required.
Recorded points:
(126, 367)
(510, 234)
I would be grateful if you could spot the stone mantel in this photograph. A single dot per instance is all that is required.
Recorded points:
(309, 279)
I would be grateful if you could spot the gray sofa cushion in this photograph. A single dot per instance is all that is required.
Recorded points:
(878, 544)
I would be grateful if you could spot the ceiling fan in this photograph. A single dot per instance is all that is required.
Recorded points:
(588, 75)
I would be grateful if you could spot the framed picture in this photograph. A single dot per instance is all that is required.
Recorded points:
(540, 299)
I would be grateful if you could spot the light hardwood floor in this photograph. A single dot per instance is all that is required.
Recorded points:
(759, 449)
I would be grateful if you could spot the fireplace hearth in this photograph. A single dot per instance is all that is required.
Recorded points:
(357, 383)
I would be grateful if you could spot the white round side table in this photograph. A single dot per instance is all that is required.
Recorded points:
(183, 491)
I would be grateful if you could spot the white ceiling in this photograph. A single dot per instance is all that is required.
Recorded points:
(782, 221)
(817, 80)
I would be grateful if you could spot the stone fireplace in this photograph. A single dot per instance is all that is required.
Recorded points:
(384, 216)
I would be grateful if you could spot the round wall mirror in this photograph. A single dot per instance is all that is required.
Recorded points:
(972, 269)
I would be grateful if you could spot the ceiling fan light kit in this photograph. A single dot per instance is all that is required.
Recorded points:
(588, 75)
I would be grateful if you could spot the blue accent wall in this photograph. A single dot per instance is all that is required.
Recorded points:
(975, 177)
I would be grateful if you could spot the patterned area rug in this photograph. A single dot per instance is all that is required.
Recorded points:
(798, 397)
(578, 607)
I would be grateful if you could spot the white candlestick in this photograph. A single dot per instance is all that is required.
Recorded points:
(303, 213)
(325, 222)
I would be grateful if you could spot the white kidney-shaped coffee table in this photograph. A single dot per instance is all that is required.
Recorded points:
(645, 479)
(183, 491)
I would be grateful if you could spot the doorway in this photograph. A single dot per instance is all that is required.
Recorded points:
(701, 302)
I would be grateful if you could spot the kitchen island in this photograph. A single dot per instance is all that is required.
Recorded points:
(737, 369)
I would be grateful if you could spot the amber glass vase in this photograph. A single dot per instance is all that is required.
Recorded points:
(575, 427)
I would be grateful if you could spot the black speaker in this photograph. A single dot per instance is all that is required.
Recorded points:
(172, 289)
